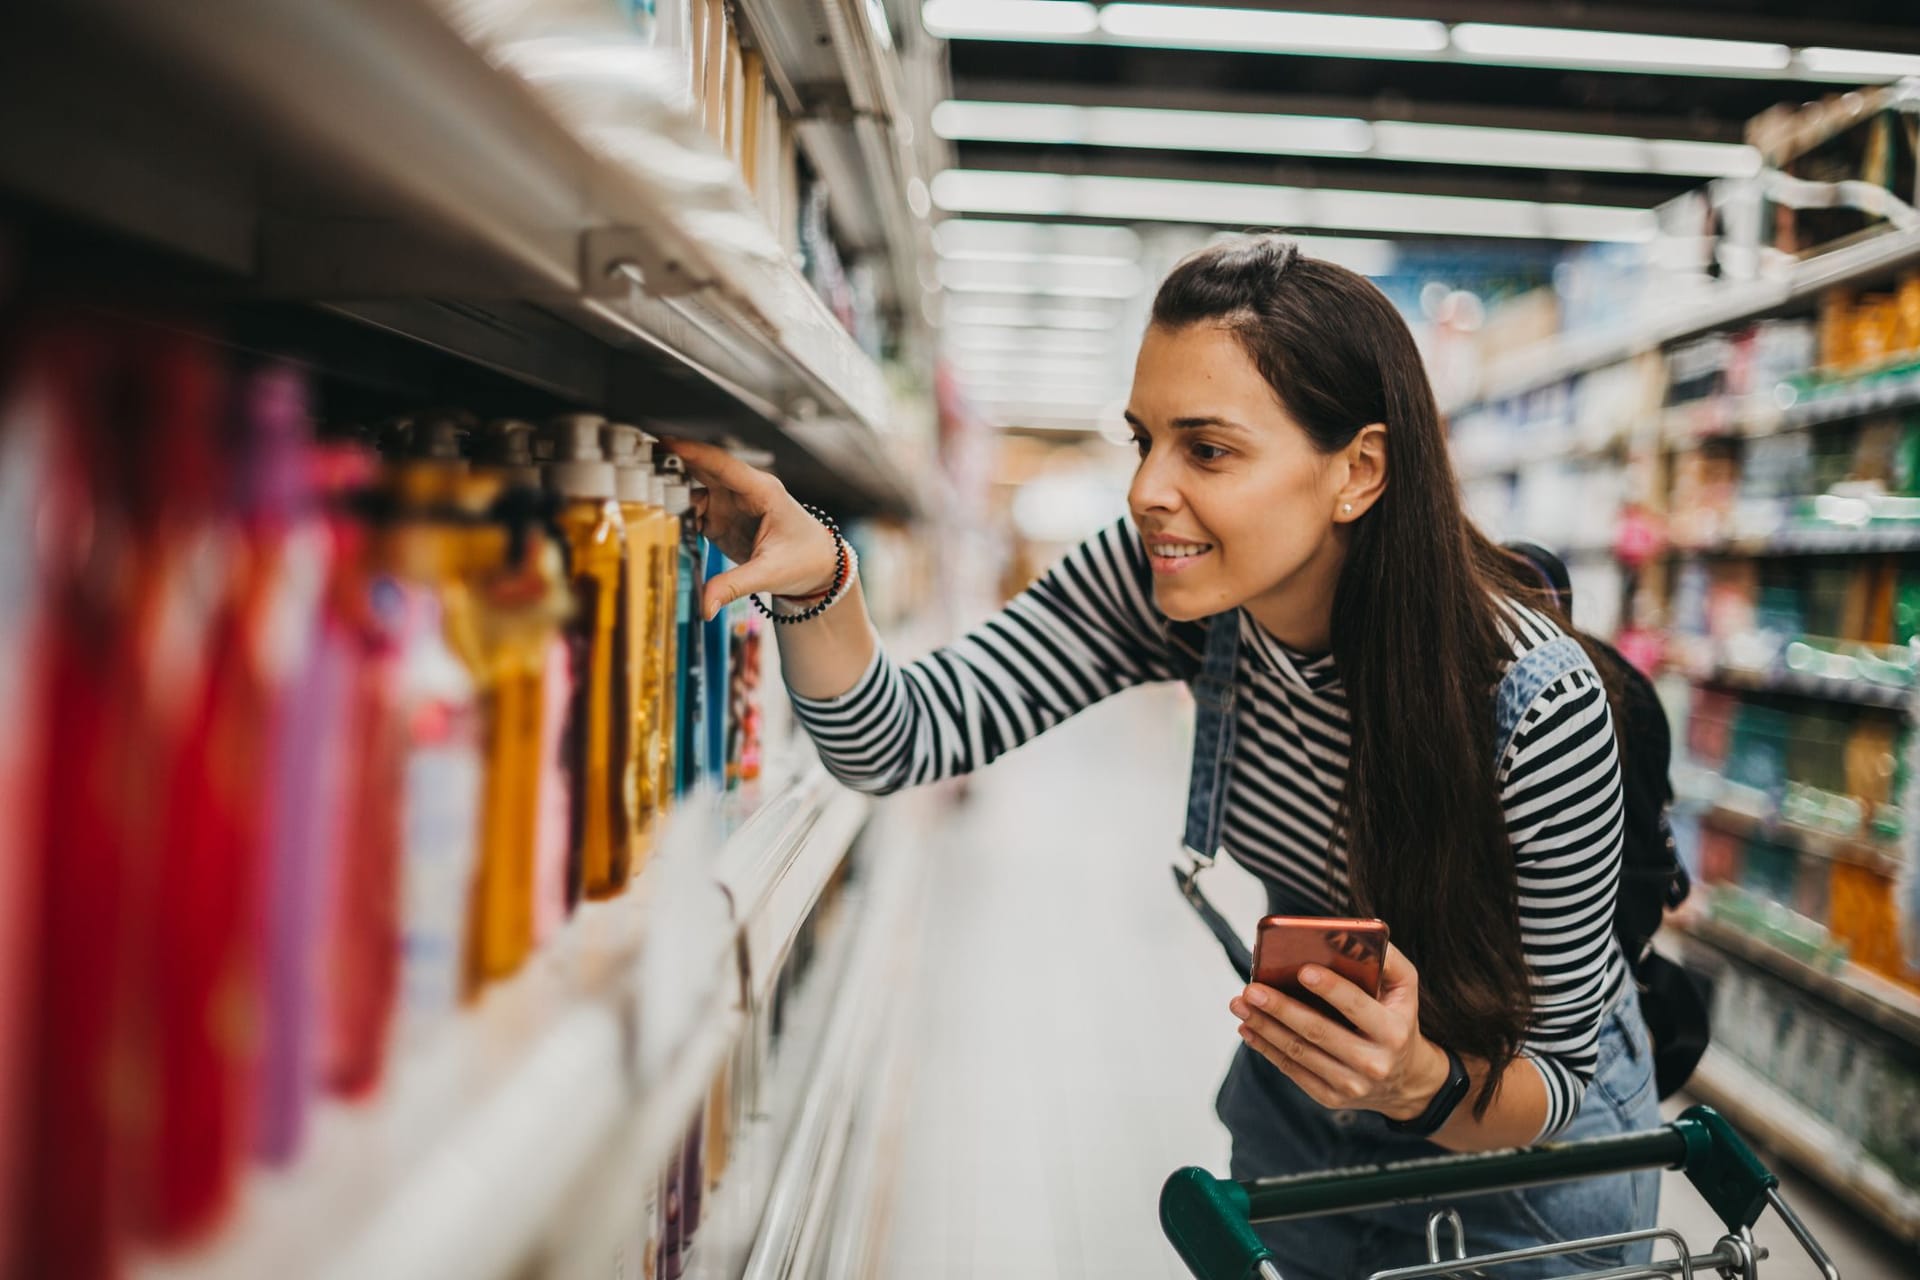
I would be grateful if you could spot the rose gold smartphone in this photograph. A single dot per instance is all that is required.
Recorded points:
(1354, 949)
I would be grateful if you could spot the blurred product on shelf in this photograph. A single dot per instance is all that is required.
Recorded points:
(598, 749)
(321, 772)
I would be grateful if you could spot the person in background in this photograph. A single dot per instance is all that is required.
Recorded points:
(1294, 483)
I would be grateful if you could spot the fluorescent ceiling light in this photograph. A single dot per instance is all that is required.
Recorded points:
(1560, 47)
(1101, 279)
(962, 235)
(1546, 149)
(1037, 259)
(1147, 128)
(1033, 318)
(1042, 289)
(1857, 64)
(1410, 39)
(1140, 127)
(1181, 26)
(1026, 342)
(1242, 204)
(1009, 19)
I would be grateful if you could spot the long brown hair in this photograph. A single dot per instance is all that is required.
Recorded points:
(1416, 633)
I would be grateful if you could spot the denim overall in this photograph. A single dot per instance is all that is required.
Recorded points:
(1277, 1129)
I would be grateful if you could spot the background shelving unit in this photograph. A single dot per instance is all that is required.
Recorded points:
(1593, 417)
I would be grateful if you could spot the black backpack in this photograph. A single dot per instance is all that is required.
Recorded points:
(1652, 877)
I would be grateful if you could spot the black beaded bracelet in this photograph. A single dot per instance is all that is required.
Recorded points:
(840, 575)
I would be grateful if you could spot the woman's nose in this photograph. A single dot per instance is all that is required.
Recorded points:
(1154, 488)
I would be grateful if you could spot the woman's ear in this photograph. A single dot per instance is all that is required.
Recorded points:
(1366, 478)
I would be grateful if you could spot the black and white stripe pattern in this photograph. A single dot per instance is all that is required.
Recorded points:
(1089, 629)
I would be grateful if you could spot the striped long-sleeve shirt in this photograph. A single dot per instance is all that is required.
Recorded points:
(1089, 629)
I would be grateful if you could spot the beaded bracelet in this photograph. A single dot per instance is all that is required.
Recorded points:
(842, 577)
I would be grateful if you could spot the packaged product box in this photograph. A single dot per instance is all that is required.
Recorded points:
(1861, 912)
(1826, 599)
(1710, 726)
(1757, 751)
(1836, 331)
(1870, 762)
(1721, 856)
(1816, 743)
(1770, 872)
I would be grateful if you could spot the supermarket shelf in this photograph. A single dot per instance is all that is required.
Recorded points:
(1538, 455)
(1863, 693)
(1548, 362)
(1870, 854)
(431, 174)
(1775, 1120)
(618, 1027)
(1689, 424)
(1867, 996)
(832, 64)
(1833, 540)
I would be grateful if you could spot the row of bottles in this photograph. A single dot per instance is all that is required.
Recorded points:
(309, 740)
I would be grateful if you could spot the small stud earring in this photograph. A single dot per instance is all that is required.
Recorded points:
(1347, 507)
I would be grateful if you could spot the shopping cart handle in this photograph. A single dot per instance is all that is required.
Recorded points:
(1209, 1219)
(1206, 1219)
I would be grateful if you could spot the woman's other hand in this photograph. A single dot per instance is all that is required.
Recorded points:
(777, 546)
(1381, 1063)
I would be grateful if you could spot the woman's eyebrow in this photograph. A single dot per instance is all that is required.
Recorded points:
(1194, 424)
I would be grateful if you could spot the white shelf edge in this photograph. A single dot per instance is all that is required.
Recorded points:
(473, 1198)
(1759, 1109)
(1856, 992)
(1546, 362)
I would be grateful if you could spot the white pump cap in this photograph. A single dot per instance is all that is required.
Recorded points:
(676, 495)
(579, 470)
(631, 482)
(436, 437)
(507, 447)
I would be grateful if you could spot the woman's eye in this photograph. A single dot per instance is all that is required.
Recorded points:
(1203, 452)
(1141, 444)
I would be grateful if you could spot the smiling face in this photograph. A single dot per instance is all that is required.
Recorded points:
(1236, 504)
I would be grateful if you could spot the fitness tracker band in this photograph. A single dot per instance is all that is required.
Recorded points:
(1445, 1102)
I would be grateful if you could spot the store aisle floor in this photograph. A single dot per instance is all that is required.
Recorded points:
(1069, 1025)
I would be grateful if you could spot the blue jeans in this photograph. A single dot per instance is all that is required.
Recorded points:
(1277, 1129)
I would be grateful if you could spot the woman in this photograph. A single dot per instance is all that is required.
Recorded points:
(1294, 479)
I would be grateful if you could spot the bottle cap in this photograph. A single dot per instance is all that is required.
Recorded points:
(506, 446)
(631, 482)
(676, 495)
(436, 436)
(579, 470)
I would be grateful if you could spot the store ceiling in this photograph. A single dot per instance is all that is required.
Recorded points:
(1397, 128)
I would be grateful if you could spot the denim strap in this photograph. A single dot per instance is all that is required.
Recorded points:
(1213, 742)
(1524, 682)
(1214, 728)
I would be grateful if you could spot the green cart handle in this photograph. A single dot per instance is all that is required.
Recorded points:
(1209, 1219)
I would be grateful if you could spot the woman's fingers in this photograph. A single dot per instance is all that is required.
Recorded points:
(716, 468)
(1310, 1084)
(1339, 1075)
(1355, 1005)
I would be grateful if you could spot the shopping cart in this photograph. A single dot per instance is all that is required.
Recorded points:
(1209, 1219)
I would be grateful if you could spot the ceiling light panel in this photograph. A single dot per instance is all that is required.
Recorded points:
(1560, 47)
(1413, 142)
(1182, 26)
(965, 235)
(1245, 205)
(1148, 128)
(1029, 317)
(1009, 19)
(1358, 36)
(1098, 279)
(1847, 65)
